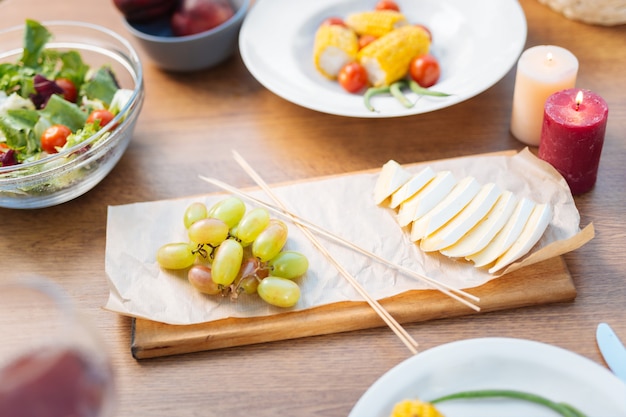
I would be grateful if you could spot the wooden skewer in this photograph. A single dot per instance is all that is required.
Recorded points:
(444, 288)
(404, 336)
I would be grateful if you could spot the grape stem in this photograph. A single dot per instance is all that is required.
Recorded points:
(563, 409)
(200, 249)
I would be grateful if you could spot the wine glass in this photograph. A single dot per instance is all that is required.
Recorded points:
(52, 363)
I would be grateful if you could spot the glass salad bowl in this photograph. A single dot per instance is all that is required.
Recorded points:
(43, 179)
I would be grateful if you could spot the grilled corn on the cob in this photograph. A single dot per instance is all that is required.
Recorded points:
(334, 47)
(415, 408)
(376, 22)
(387, 59)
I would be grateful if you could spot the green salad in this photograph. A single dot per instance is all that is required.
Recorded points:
(51, 100)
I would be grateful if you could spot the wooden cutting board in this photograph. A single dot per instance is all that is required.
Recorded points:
(545, 282)
(541, 283)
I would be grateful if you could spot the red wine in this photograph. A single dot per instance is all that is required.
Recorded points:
(57, 382)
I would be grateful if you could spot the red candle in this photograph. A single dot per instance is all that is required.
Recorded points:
(572, 135)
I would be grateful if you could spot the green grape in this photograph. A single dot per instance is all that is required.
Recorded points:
(194, 212)
(280, 292)
(252, 223)
(227, 262)
(177, 255)
(247, 279)
(208, 231)
(234, 232)
(270, 241)
(248, 284)
(201, 278)
(229, 210)
(288, 264)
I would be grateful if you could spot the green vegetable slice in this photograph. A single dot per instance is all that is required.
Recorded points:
(395, 90)
(563, 409)
(418, 89)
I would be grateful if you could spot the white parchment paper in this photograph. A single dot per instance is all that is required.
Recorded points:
(343, 205)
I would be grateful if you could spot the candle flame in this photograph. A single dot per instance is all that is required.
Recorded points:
(549, 56)
(579, 99)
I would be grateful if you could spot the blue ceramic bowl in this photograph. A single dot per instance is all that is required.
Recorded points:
(189, 53)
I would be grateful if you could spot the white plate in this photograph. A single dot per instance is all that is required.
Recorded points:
(497, 363)
(477, 42)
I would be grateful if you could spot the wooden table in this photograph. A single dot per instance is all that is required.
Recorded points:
(190, 123)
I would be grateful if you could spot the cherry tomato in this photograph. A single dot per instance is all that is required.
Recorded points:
(387, 5)
(365, 40)
(424, 70)
(104, 116)
(54, 137)
(69, 89)
(353, 77)
(334, 21)
(430, 34)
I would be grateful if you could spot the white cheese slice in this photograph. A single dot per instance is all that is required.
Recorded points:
(478, 237)
(446, 209)
(412, 186)
(427, 198)
(392, 177)
(535, 226)
(505, 237)
(463, 222)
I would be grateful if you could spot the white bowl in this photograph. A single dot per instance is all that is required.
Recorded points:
(66, 175)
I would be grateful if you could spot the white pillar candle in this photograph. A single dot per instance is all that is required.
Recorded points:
(541, 71)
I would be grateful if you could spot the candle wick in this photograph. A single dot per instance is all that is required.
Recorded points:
(579, 99)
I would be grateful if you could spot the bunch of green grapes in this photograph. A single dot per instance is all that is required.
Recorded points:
(232, 250)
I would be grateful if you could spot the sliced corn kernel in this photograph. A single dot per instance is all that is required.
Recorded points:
(334, 47)
(387, 59)
(415, 408)
(376, 22)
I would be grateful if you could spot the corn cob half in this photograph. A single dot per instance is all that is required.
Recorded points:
(375, 22)
(334, 47)
(387, 59)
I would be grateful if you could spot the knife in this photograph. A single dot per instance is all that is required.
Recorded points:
(612, 349)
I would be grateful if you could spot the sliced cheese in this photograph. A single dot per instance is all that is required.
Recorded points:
(505, 237)
(463, 222)
(392, 177)
(412, 186)
(533, 230)
(427, 198)
(478, 237)
(446, 209)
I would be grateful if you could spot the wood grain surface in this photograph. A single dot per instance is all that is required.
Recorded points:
(189, 125)
(545, 282)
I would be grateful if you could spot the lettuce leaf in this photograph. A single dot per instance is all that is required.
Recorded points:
(60, 111)
(102, 86)
(85, 133)
(17, 126)
(36, 36)
(73, 68)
